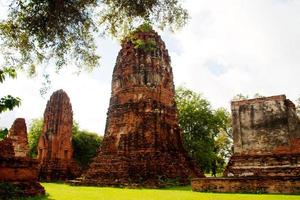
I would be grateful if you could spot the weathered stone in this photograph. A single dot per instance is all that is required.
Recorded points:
(55, 149)
(266, 137)
(142, 143)
(18, 135)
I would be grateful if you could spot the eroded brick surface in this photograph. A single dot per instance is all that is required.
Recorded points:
(18, 135)
(255, 185)
(142, 142)
(55, 143)
(6, 148)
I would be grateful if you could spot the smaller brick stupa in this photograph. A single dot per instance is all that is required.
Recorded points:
(18, 135)
(142, 145)
(17, 170)
(55, 149)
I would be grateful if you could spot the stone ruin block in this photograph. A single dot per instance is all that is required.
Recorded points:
(266, 137)
(17, 170)
(142, 145)
(55, 149)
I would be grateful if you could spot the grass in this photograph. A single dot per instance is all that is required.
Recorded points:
(59, 191)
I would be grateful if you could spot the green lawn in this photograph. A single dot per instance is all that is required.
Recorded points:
(66, 192)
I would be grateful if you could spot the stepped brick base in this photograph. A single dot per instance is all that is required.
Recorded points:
(19, 174)
(290, 185)
(58, 169)
(263, 165)
(153, 169)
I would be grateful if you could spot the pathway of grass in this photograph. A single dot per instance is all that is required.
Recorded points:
(65, 192)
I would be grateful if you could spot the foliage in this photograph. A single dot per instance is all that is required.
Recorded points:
(9, 191)
(257, 95)
(148, 45)
(201, 126)
(7, 72)
(120, 16)
(67, 192)
(239, 97)
(3, 133)
(35, 130)
(8, 102)
(223, 141)
(144, 28)
(37, 31)
(85, 146)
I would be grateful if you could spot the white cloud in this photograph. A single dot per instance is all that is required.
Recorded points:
(255, 41)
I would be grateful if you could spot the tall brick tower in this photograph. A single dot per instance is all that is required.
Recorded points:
(142, 143)
(55, 144)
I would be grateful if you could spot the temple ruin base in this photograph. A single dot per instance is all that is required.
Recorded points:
(150, 170)
(288, 185)
(58, 169)
(285, 164)
(18, 178)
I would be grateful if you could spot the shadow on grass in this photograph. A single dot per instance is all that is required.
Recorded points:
(44, 197)
(182, 188)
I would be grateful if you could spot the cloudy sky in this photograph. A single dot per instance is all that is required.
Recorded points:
(228, 47)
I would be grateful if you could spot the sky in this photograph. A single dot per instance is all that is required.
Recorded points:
(228, 47)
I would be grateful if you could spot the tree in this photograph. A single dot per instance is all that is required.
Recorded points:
(3, 133)
(257, 95)
(85, 144)
(239, 97)
(201, 126)
(223, 140)
(8, 102)
(37, 31)
(35, 130)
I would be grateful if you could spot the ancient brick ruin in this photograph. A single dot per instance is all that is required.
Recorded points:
(55, 143)
(266, 135)
(266, 139)
(18, 135)
(142, 143)
(17, 170)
